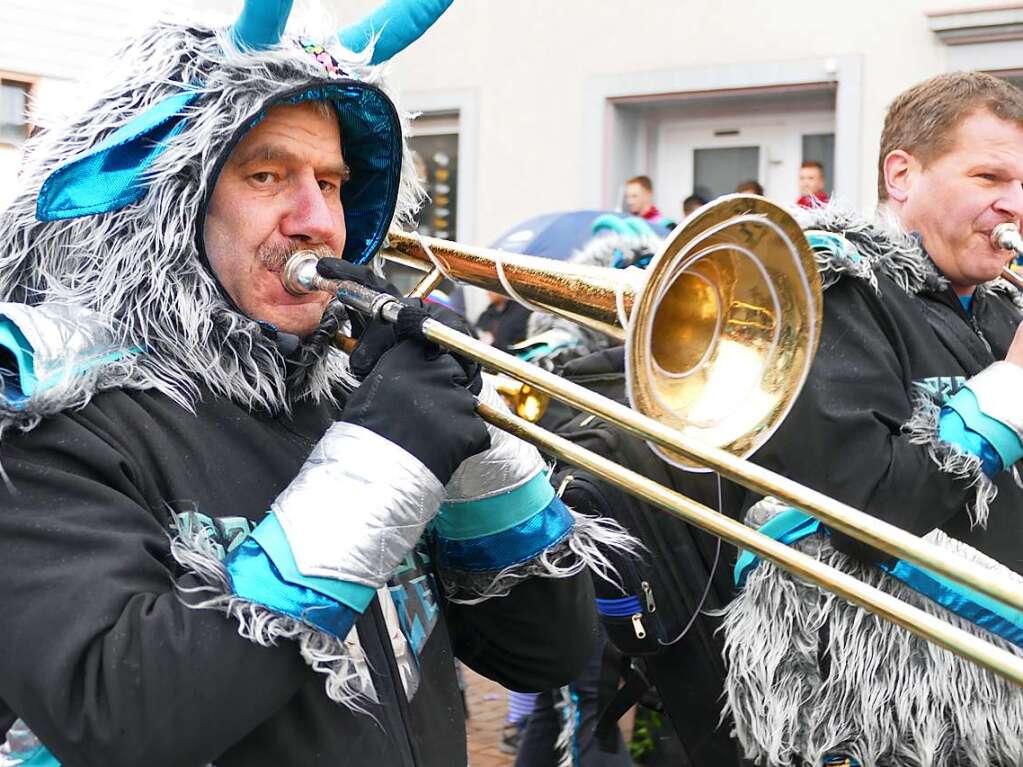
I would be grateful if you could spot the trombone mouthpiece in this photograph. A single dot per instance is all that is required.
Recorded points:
(1007, 237)
(299, 274)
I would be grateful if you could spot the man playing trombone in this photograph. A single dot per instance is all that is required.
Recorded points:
(912, 413)
(161, 391)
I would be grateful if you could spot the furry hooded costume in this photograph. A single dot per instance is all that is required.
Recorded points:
(139, 403)
(885, 424)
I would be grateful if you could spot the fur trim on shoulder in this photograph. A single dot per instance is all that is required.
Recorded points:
(882, 243)
(874, 691)
(585, 548)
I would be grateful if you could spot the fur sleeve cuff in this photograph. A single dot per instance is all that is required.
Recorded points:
(925, 428)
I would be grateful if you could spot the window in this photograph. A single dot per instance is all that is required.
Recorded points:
(14, 125)
(434, 143)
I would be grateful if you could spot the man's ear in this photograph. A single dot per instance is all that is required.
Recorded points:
(900, 170)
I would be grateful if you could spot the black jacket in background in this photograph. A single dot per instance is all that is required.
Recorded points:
(507, 324)
(108, 667)
(844, 436)
(681, 561)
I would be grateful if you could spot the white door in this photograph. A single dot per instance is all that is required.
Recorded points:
(711, 156)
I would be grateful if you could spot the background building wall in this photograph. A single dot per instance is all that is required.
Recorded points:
(535, 82)
(533, 66)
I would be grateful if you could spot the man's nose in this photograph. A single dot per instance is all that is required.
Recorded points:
(1011, 203)
(310, 216)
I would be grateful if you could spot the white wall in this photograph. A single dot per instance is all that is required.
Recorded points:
(531, 61)
(528, 68)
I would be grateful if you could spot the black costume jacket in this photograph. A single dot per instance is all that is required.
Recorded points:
(108, 666)
(883, 350)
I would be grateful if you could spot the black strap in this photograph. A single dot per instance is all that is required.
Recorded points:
(627, 696)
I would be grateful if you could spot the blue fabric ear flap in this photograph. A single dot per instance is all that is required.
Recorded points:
(399, 24)
(112, 173)
(261, 24)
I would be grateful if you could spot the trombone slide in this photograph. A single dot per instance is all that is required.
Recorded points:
(911, 618)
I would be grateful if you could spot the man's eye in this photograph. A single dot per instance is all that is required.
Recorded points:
(327, 186)
(987, 176)
(262, 178)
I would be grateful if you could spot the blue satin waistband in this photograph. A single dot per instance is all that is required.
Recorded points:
(793, 525)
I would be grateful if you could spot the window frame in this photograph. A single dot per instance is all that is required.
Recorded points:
(32, 84)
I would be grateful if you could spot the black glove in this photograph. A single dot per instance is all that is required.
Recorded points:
(338, 269)
(416, 396)
(379, 336)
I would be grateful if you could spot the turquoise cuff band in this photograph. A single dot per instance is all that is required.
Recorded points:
(464, 520)
(952, 430)
(1001, 438)
(255, 579)
(270, 536)
(515, 545)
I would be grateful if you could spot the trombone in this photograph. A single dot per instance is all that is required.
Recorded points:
(735, 289)
(1007, 237)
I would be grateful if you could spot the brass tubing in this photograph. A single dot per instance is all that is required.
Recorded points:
(839, 516)
(593, 290)
(1007, 237)
(913, 619)
(426, 285)
(1011, 277)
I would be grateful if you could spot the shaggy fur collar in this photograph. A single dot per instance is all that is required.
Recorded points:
(886, 248)
(138, 268)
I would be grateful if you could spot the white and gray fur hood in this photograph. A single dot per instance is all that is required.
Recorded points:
(138, 269)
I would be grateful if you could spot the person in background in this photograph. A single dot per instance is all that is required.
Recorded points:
(503, 323)
(639, 201)
(811, 185)
(752, 186)
(691, 204)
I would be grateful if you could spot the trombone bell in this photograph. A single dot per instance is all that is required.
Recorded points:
(719, 331)
(723, 335)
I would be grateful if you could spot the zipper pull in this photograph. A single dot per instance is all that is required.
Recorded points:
(651, 606)
(637, 626)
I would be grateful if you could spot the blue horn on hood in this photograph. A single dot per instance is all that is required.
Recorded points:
(261, 24)
(399, 23)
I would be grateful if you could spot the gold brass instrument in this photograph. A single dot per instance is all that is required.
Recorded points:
(694, 310)
(718, 351)
(527, 402)
(1007, 237)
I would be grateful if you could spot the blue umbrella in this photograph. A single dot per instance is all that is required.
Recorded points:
(556, 235)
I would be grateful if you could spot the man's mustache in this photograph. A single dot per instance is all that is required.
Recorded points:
(275, 256)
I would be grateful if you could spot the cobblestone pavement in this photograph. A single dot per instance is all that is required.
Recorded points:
(488, 706)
